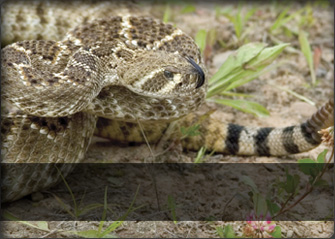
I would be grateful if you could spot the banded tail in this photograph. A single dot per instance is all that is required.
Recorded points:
(241, 140)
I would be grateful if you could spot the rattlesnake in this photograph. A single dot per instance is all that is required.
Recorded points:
(107, 75)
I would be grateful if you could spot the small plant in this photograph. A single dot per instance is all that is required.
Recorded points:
(303, 17)
(78, 209)
(287, 195)
(205, 41)
(283, 18)
(172, 208)
(306, 50)
(252, 229)
(167, 14)
(243, 66)
(239, 19)
(40, 225)
(226, 232)
(200, 155)
(257, 227)
(188, 9)
(200, 39)
(99, 233)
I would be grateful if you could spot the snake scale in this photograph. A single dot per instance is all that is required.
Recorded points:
(64, 80)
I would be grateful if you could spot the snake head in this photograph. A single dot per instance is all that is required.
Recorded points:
(156, 85)
(164, 75)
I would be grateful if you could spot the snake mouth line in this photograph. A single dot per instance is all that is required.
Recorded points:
(200, 72)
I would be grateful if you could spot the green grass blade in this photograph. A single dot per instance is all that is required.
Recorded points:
(242, 66)
(167, 14)
(188, 9)
(172, 207)
(280, 20)
(41, 225)
(90, 207)
(86, 234)
(200, 155)
(237, 59)
(70, 191)
(65, 206)
(303, 98)
(234, 94)
(249, 14)
(306, 50)
(219, 231)
(283, 20)
(266, 56)
(200, 39)
(245, 106)
(119, 222)
(238, 24)
(104, 213)
(249, 75)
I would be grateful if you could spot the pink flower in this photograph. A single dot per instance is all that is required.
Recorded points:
(259, 229)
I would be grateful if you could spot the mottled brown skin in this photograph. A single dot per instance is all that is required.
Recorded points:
(120, 71)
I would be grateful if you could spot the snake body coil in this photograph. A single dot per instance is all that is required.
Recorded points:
(107, 75)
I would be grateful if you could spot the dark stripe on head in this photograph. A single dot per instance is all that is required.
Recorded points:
(310, 135)
(261, 141)
(288, 141)
(233, 136)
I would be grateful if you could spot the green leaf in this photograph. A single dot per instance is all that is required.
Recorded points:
(321, 157)
(167, 14)
(306, 161)
(306, 50)
(229, 93)
(42, 225)
(172, 207)
(188, 9)
(321, 160)
(272, 207)
(245, 106)
(267, 56)
(200, 39)
(237, 59)
(248, 181)
(104, 212)
(92, 234)
(249, 14)
(211, 37)
(308, 167)
(191, 131)
(200, 155)
(119, 222)
(276, 232)
(219, 231)
(283, 19)
(260, 205)
(229, 232)
(292, 182)
(89, 208)
(321, 183)
(243, 66)
(303, 98)
(280, 20)
(238, 24)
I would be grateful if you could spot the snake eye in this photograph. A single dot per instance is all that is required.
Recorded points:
(168, 74)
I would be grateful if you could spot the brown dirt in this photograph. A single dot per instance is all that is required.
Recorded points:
(285, 110)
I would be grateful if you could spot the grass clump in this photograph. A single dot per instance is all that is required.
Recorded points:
(244, 65)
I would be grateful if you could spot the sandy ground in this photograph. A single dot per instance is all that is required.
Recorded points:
(284, 108)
